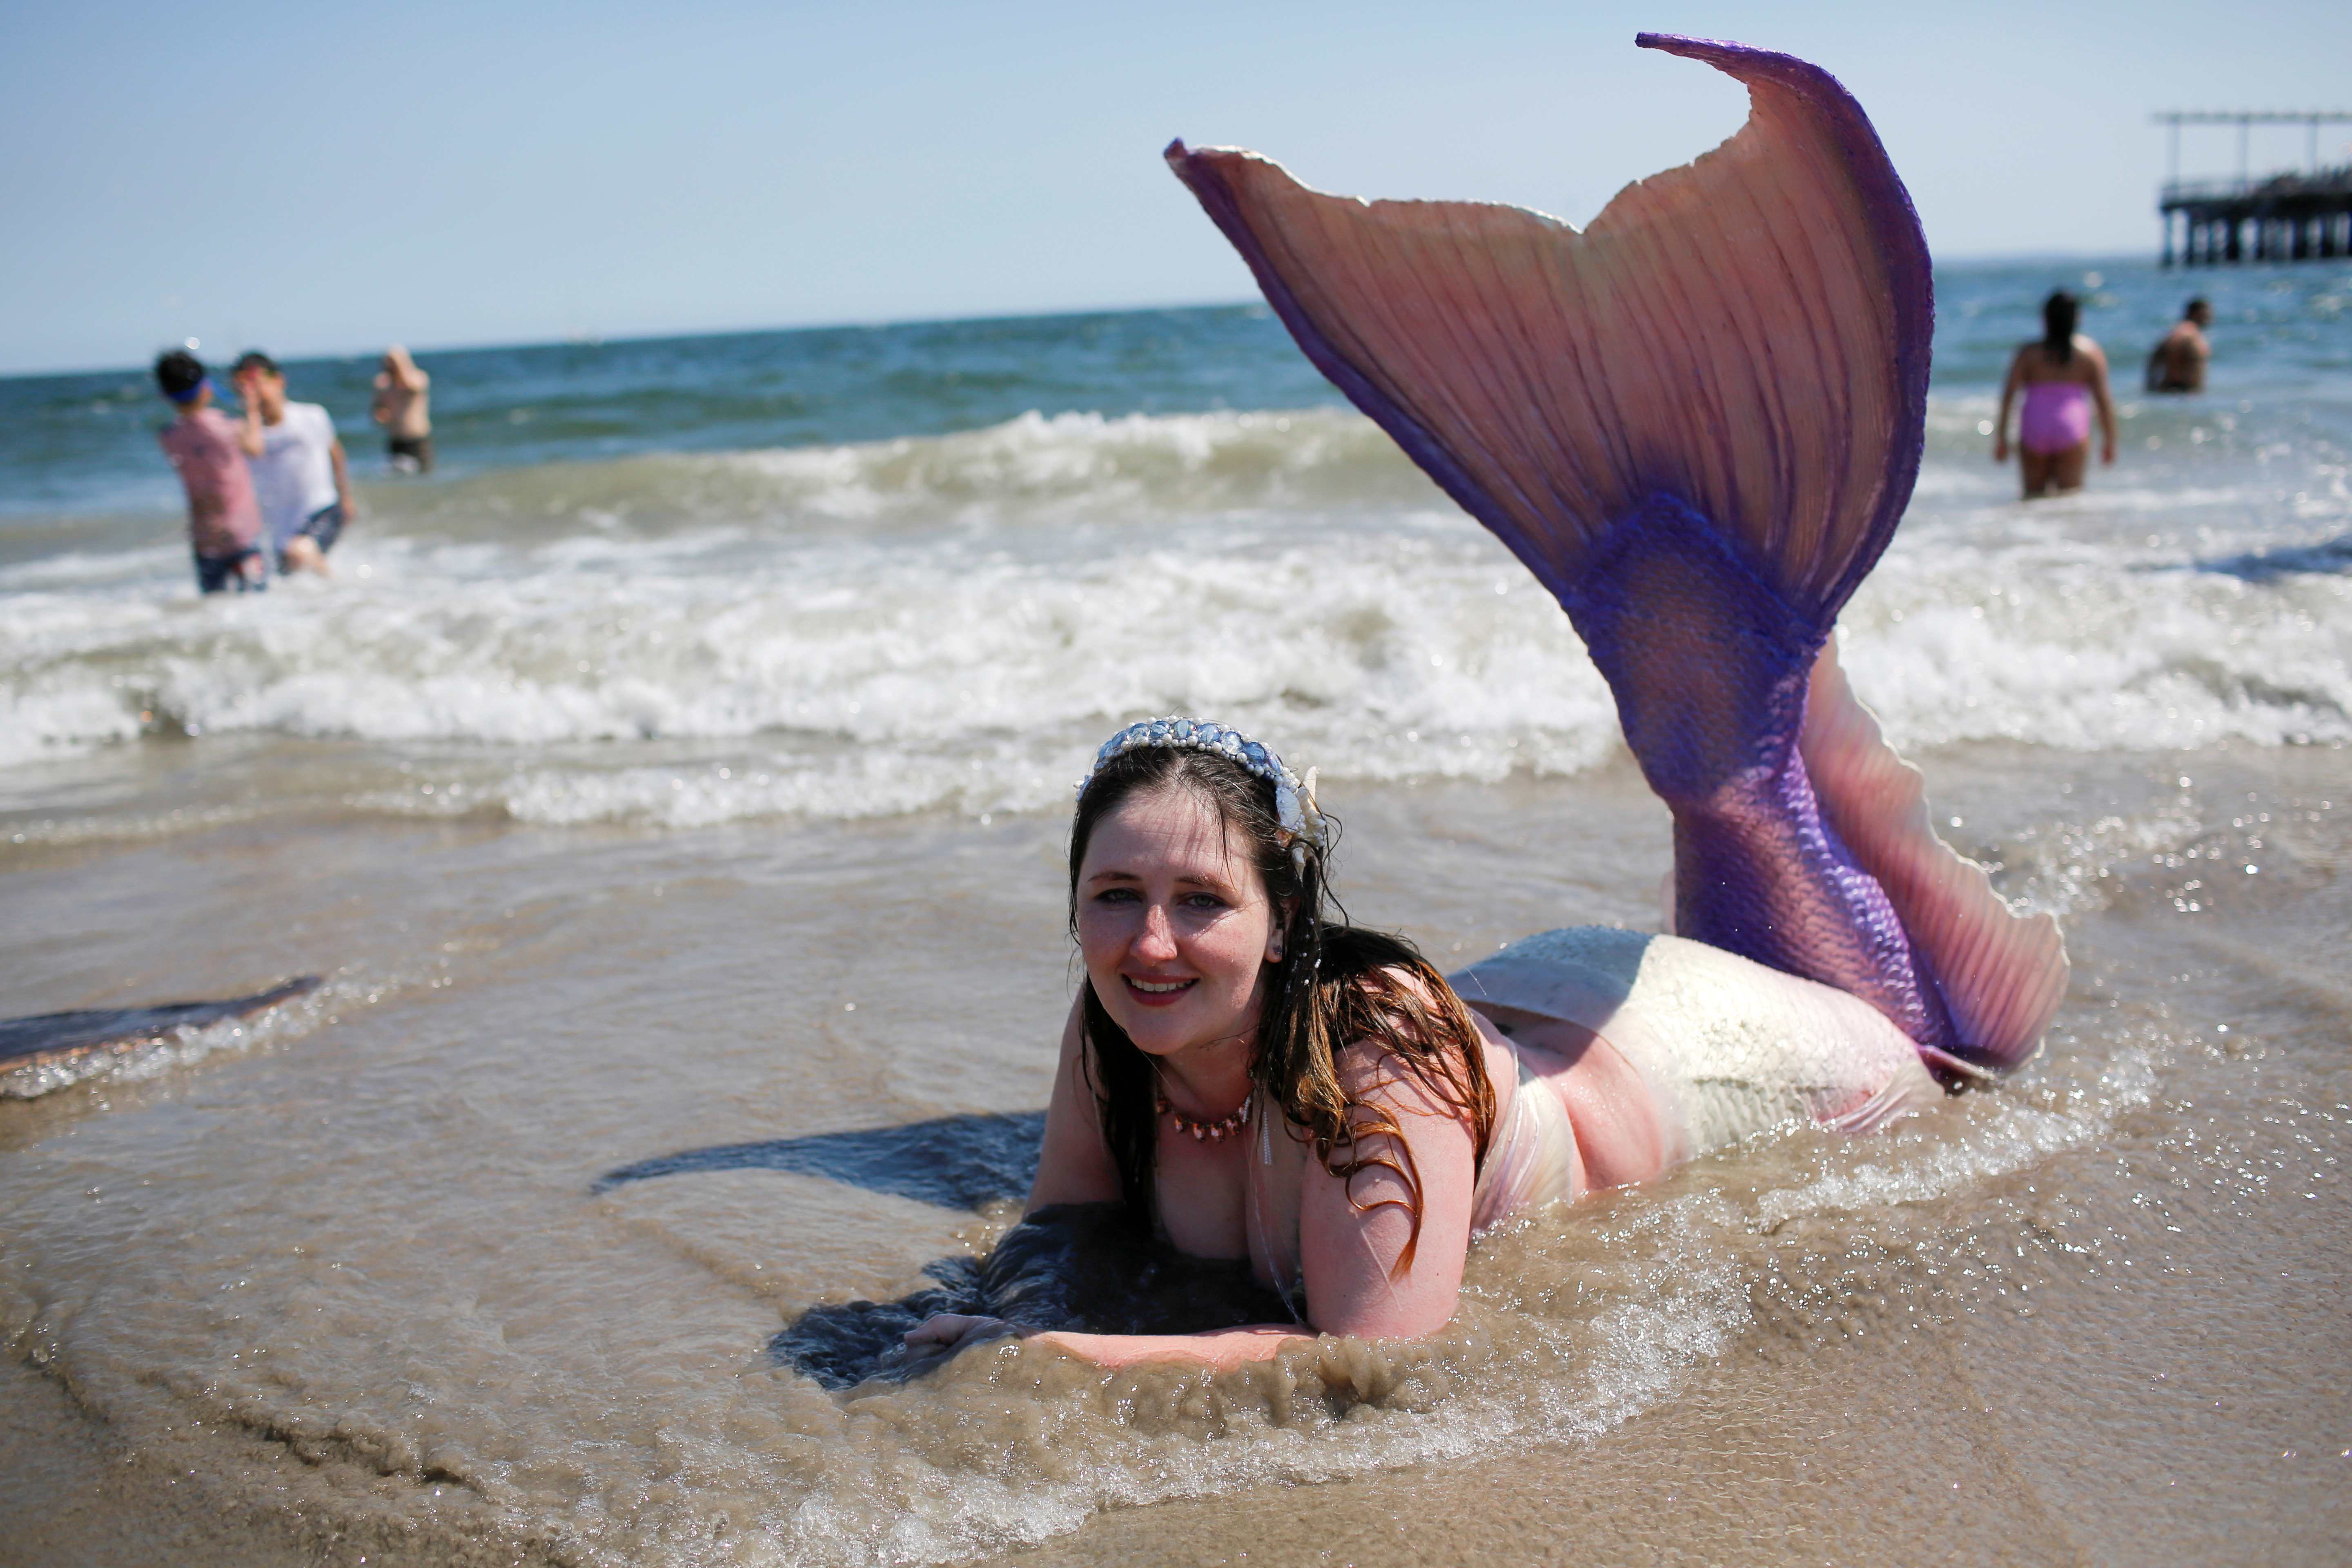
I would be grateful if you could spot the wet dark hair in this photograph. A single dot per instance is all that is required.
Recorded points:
(2059, 314)
(254, 359)
(178, 373)
(2188, 311)
(1335, 985)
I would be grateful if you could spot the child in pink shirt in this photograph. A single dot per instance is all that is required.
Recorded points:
(224, 521)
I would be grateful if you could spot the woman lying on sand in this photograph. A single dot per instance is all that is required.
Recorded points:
(1699, 423)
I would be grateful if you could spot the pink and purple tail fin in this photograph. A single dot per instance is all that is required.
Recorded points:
(2001, 975)
(1697, 423)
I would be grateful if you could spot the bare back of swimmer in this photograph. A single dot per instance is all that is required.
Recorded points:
(2179, 362)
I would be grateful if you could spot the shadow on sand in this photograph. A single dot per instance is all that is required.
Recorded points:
(954, 1162)
(53, 1037)
(1087, 1267)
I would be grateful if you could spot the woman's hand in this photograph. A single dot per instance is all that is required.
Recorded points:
(945, 1334)
(2000, 447)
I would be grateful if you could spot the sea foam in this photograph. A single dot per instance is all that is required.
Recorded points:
(953, 621)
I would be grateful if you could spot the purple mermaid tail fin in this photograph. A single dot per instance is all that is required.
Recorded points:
(2001, 975)
(1697, 423)
(1749, 333)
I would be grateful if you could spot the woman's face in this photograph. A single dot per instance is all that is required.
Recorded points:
(1174, 924)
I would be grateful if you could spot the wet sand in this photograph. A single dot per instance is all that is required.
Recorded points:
(342, 1288)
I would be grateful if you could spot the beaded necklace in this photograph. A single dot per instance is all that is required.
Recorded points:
(1214, 1131)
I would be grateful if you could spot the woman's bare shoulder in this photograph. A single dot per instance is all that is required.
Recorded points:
(1376, 1065)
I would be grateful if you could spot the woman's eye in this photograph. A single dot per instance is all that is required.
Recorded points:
(1203, 901)
(1116, 896)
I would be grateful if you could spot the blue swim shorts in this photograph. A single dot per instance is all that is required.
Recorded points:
(220, 574)
(325, 526)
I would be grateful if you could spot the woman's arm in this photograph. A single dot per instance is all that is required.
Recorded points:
(1074, 1163)
(1073, 1167)
(2103, 400)
(1224, 1349)
(1353, 1231)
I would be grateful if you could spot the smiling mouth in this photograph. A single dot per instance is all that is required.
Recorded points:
(1159, 987)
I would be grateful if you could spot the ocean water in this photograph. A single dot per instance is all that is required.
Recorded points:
(675, 782)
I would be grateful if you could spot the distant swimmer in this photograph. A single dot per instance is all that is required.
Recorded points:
(2063, 373)
(298, 472)
(401, 392)
(224, 522)
(2178, 361)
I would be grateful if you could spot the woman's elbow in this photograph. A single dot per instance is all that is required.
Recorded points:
(1406, 1325)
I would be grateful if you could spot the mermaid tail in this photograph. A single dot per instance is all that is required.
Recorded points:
(1697, 423)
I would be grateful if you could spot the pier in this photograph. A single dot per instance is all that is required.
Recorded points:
(2292, 216)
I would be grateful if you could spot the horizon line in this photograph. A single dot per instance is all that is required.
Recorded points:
(864, 323)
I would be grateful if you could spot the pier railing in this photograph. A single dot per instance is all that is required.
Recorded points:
(2322, 182)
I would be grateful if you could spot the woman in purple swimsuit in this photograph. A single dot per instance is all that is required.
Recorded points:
(2062, 375)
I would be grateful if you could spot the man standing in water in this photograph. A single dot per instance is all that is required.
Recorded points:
(2180, 357)
(299, 473)
(401, 390)
(224, 523)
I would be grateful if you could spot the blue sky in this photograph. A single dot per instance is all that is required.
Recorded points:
(327, 177)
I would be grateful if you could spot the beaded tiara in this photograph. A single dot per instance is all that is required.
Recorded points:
(1294, 797)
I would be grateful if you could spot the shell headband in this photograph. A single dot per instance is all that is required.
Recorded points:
(1293, 799)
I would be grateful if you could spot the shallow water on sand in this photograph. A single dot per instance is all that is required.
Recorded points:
(346, 1281)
